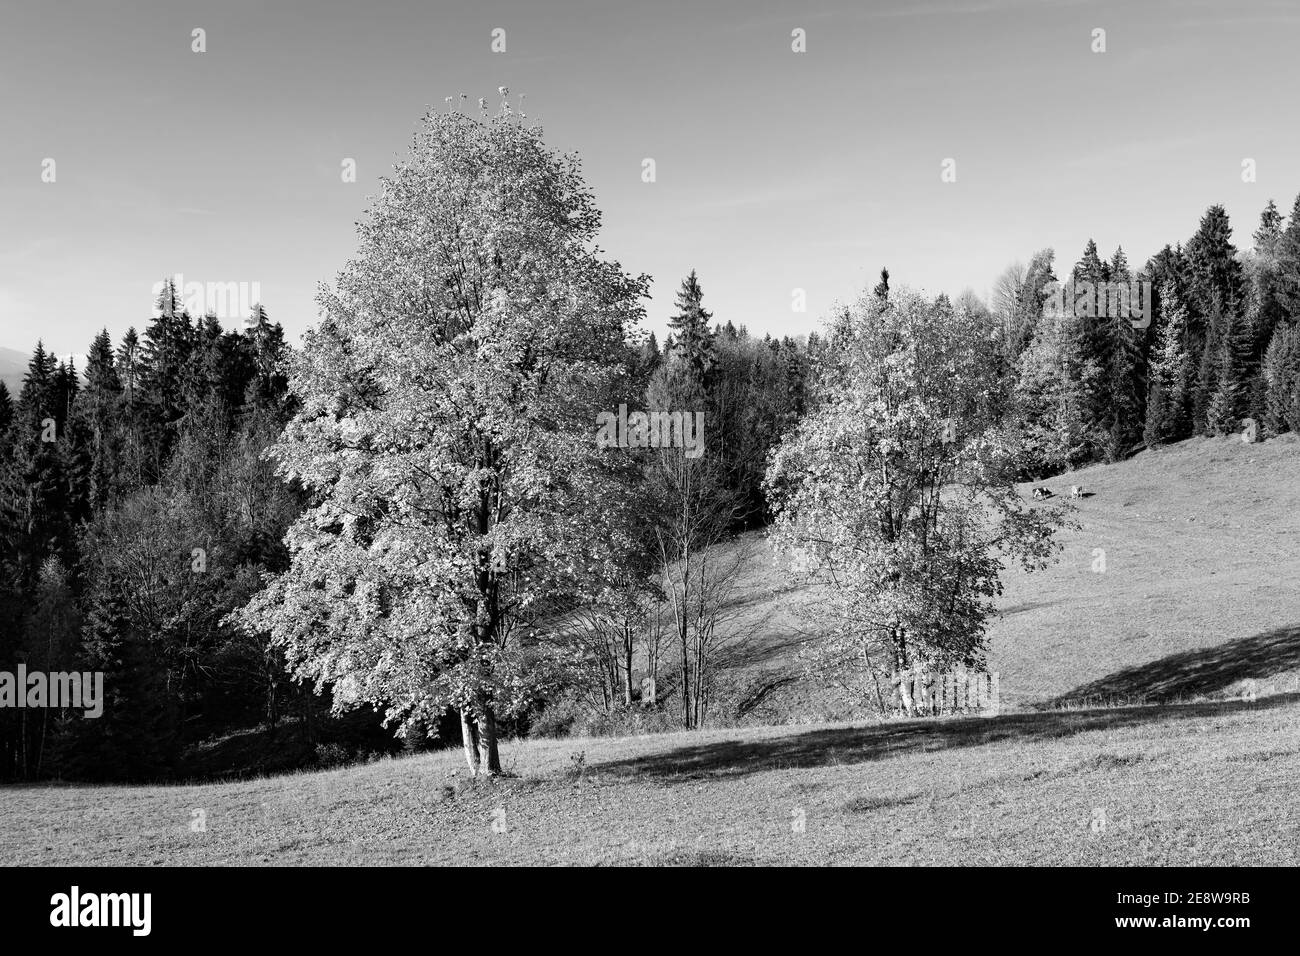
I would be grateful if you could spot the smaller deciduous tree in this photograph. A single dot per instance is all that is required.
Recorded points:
(895, 495)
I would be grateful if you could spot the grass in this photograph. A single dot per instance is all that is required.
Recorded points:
(1198, 595)
(1197, 598)
(1173, 785)
(1196, 605)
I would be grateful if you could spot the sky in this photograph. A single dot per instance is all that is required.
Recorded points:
(775, 170)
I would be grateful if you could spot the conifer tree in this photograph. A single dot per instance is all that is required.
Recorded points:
(881, 291)
(98, 413)
(1267, 287)
(1215, 271)
(693, 343)
(1215, 291)
(1127, 381)
(168, 342)
(1230, 398)
(1168, 413)
(268, 351)
(1282, 381)
(40, 490)
(6, 414)
(1288, 263)
(1270, 230)
(1092, 354)
(133, 420)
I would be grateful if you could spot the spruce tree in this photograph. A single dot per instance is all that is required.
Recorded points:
(1268, 283)
(6, 413)
(1270, 230)
(98, 411)
(1288, 264)
(1126, 375)
(37, 398)
(1119, 270)
(1229, 400)
(1209, 363)
(128, 362)
(1215, 270)
(1168, 414)
(265, 339)
(694, 340)
(1215, 291)
(168, 341)
(133, 419)
(164, 368)
(1282, 381)
(40, 488)
(1092, 356)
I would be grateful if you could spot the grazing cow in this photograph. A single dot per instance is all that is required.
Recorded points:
(1041, 493)
(1076, 491)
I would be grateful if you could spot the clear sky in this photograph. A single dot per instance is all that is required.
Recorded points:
(775, 170)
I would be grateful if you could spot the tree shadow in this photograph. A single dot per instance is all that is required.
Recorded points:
(1196, 673)
(1025, 606)
(853, 745)
(771, 647)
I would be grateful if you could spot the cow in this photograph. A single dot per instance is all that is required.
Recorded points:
(1076, 491)
(1041, 493)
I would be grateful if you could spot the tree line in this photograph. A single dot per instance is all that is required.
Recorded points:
(1217, 351)
(135, 512)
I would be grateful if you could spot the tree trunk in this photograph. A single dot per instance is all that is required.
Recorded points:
(627, 666)
(652, 667)
(469, 740)
(905, 692)
(489, 759)
(686, 683)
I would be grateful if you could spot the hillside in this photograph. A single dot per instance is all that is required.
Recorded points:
(1198, 594)
(13, 366)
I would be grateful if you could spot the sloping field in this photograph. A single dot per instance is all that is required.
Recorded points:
(1201, 587)
(1183, 582)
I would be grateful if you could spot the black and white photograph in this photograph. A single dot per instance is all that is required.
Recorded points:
(710, 434)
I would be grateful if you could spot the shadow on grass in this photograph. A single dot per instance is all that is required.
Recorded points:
(852, 745)
(1026, 606)
(1196, 673)
(769, 647)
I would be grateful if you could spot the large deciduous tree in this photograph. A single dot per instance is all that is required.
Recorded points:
(446, 434)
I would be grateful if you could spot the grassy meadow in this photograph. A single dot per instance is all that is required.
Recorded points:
(1126, 740)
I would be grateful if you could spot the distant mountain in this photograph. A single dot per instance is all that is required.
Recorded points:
(13, 366)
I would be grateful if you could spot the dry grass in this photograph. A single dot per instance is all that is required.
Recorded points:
(1198, 784)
